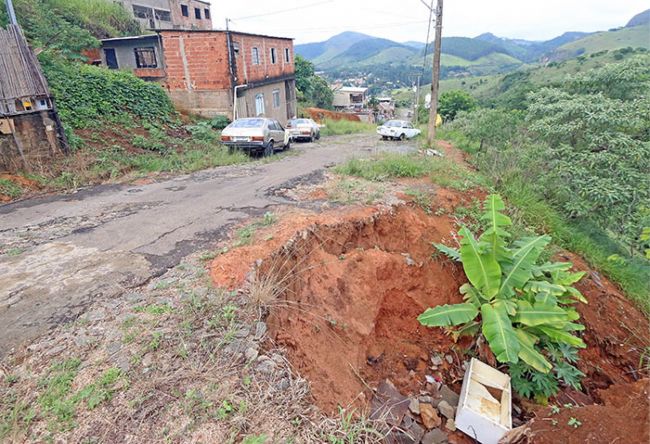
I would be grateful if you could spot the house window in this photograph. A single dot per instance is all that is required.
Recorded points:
(111, 58)
(164, 16)
(206, 14)
(185, 11)
(197, 13)
(141, 12)
(259, 104)
(145, 57)
(273, 56)
(287, 57)
(276, 98)
(255, 55)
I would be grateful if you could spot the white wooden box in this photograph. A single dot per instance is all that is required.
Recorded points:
(482, 415)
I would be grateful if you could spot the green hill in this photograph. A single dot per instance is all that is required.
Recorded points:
(633, 37)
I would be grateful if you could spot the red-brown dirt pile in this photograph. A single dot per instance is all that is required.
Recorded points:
(319, 114)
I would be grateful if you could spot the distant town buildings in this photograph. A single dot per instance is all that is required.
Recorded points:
(170, 14)
(350, 98)
(213, 73)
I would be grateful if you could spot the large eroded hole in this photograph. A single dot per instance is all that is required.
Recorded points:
(351, 293)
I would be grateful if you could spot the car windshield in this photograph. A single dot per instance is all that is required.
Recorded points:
(393, 123)
(247, 123)
(299, 122)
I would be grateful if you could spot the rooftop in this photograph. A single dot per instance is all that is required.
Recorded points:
(352, 89)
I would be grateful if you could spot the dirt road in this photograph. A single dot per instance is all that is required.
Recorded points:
(62, 252)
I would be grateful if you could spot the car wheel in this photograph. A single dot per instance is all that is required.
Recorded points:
(231, 150)
(402, 136)
(384, 137)
(318, 135)
(287, 146)
(269, 149)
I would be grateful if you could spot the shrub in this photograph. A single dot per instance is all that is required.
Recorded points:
(452, 102)
(525, 305)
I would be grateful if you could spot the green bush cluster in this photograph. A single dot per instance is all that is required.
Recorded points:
(579, 153)
(88, 96)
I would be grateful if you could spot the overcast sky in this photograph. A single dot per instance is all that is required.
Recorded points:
(402, 20)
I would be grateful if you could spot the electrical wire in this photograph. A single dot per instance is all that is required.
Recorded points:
(282, 11)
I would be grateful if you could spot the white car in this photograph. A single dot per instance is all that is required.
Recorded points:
(397, 129)
(303, 129)
(256, 135)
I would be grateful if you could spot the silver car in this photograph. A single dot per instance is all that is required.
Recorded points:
(256, 135)
(303, 129)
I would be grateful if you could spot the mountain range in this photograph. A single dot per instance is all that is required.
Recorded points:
(484, 54)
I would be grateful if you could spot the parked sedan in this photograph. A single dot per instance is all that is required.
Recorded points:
(397, 129)
(256, 135)
(303, 129)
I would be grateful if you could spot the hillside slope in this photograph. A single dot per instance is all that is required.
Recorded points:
(634, 37)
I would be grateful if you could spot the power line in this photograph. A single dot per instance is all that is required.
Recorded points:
(382, 25)
(282, 11)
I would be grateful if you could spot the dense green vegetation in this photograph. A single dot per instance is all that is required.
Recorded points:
(312, 89)
(574, 156)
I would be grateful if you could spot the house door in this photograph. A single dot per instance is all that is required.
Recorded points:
(259, 105)
(111, 58)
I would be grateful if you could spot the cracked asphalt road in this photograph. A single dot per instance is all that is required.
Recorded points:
(101, 241)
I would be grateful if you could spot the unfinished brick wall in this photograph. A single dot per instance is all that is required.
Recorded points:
(28, 141)
(195, 60)
(248, 72)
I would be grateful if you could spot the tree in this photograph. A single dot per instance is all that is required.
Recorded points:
(312, 89)
(452, 102)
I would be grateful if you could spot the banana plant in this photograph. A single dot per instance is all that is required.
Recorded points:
(515, 301)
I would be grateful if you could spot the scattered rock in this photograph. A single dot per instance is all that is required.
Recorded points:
(278, 359)
(123, 363)
(95, 315)
(414, 433)
(414, 406)
(267, 366)
(449, 395)
(242, 332)
(55, 350)
(435, 436)
(260, 330)
(284, 384)
(429, 416)
(436, 360)
(430, 379)
(251, 354)
(134, 297)
(388, 404)
(147, 360)
(450, 425)
(113, 347)
(449, 359)
(446, 410)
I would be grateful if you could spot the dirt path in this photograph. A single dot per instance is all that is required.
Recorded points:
(59, 253)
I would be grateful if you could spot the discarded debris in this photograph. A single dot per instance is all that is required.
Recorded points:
(480, 415)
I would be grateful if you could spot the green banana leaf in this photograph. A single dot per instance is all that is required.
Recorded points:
(452, 253)
(448, 315)
(529, 354)
(545, 287)
(500, 334)
(482, 270)
(561, 336)
(539, 314)
(520, 270)
(548, 267)
(495, 234)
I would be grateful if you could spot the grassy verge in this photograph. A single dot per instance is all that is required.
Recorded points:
(339, 127)
(387, 166)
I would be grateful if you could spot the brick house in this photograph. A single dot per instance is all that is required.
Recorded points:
(170, 14)
(213, 72)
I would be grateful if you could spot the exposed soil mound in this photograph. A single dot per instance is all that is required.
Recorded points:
(353, 285)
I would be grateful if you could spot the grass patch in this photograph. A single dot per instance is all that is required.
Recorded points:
(9, 188)
(245, 235)
(339, 127)
(443, 172)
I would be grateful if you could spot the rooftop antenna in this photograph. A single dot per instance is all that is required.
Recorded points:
(12, 13)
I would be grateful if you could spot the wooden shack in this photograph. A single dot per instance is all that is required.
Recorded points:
(30, 130)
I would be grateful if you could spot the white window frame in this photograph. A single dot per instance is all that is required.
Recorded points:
(255, 55)
(259, 105)
(276, 98)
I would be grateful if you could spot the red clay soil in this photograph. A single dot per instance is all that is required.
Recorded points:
(356, 282)
(24, 183)
(623, 418)
(319, 114)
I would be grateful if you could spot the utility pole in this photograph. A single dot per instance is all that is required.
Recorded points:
(12, 13)
(415, 80)
(433, 112)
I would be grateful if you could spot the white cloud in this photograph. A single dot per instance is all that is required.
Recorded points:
(403, 20)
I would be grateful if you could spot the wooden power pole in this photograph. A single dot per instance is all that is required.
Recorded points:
(433, 112)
